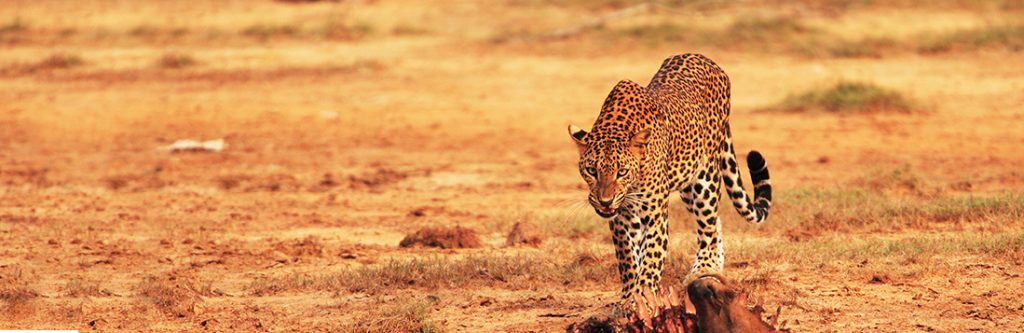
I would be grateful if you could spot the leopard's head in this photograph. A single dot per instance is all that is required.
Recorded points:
(610, 167)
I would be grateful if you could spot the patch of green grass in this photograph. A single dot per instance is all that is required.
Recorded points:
(847, 98)
(1010, 37)
(1005, 245)
(807, 214)
(1005, 209)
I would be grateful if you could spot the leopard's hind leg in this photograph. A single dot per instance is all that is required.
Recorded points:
(701, 197)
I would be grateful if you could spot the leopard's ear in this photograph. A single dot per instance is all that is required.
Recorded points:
(579, 136)
(638, 144)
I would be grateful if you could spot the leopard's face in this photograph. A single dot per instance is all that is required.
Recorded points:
(611, 168)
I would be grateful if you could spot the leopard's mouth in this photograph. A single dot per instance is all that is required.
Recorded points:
(605, 212)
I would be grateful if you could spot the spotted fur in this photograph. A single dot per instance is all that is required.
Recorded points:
(649, 142)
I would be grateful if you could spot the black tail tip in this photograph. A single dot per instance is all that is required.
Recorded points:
(755, 161)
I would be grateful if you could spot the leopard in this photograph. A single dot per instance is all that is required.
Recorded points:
(672, 136)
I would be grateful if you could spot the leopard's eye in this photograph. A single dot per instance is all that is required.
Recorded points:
(592, 171)
(623, 172)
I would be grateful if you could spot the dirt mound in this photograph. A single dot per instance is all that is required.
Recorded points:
(524, 233)
(442, 237)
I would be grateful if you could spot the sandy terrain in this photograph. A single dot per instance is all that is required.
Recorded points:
(351, 124)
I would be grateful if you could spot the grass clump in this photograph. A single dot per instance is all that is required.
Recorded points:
(653, 34)
(176, 61)
(409, 30)
(825, 250)
(407, 316)
(776, 34)
(802, 215)
(765, 29)
(899, 180)
(267, 31)
(345, 31)
(1005, 209)
(1010, 37)
(169, 294)
(59, 61)
(517, 272)
(847, 98)
(78, 287)
(865, 48)
(15, 294)
(14, 26)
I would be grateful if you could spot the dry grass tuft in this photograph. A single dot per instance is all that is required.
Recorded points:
(1010, 37)
(443, 237)
(16, 300)
(903, 180)
(926, 248)
(765, 29)
(847, 98)
(515, 272)
(407, 316)
(305, 1)
(15, 294)
(171, 295)
(58, 61)
(345, 31)
(11, 28)
(804, 215)
(267, 31)
(176, 61)
(865, 48)
(78, 287)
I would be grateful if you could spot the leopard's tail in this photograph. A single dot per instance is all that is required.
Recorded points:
(756, 210)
